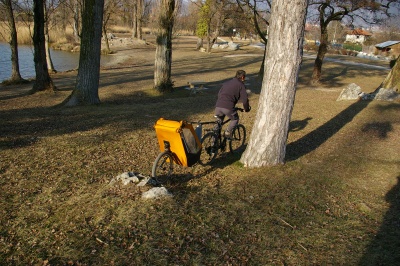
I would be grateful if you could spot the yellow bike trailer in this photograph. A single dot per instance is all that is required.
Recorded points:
(180, 138)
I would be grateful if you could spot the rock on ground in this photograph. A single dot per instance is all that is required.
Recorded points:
(156, 192)
(353, 92)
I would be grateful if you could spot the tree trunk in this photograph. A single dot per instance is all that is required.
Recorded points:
(392, 80)
(262, 36)
(220, 22)
(135, 19)
(199, 43)
(323, 48)
(139, 30)
(76, 22)
(262, 67)
(208, 38)
(15, 73)
(43, 81)
(47, 42)
(163, 61)
(86, 91)
(104, 27)
(267, 144)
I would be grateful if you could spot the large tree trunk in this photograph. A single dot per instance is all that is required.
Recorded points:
(87, 84)
(323, 48)
(15, 73)
(163, 61)
(392, 80)
(267, 144)
(43, 81)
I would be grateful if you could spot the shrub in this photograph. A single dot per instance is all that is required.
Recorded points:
(353, 46)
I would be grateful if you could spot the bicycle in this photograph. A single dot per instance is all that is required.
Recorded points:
(213, 141)
(183, 145)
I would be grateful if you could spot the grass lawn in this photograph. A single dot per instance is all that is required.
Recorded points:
(336, 201)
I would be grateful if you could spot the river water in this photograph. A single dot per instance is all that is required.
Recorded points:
(62, 61)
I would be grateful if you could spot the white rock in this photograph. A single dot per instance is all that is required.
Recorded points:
(156, 192)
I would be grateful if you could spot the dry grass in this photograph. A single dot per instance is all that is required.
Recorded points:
(57, 36)
(24, 33)
(335, 201)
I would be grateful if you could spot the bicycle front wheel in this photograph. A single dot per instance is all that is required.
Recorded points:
(162, 167)
(209, 150)
(236, 144)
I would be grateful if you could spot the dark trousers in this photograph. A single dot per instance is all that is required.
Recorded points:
(230, 113)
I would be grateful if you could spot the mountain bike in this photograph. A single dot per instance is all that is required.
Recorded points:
(213, 141)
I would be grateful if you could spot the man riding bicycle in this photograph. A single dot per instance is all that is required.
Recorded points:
(231, 92)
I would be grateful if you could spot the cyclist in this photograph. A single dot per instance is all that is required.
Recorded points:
(232, 92)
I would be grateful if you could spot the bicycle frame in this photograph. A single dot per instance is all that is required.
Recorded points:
(219, 124)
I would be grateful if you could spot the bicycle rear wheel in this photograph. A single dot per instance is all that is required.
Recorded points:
(162, 167)
(209, 150)
(238, 138)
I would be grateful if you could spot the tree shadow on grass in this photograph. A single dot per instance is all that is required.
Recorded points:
(298, 125)
(384, 249)
(380, 129)
(314, 139)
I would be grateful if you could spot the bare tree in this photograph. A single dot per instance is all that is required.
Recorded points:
(110, 7)
(87, 83)
(163, 57)
(76, 10)
(49, 61)
(340, 10)
(43, 81)
(211, 20)
(256, 17)
(15, 73)
(137, 17)
(267, 144)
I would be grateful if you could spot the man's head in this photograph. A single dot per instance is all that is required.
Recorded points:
(241, 75)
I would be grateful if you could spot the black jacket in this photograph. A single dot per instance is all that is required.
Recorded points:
(231, 92)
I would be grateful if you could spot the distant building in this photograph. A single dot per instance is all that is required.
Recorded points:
(357, 36)
(388, 48)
